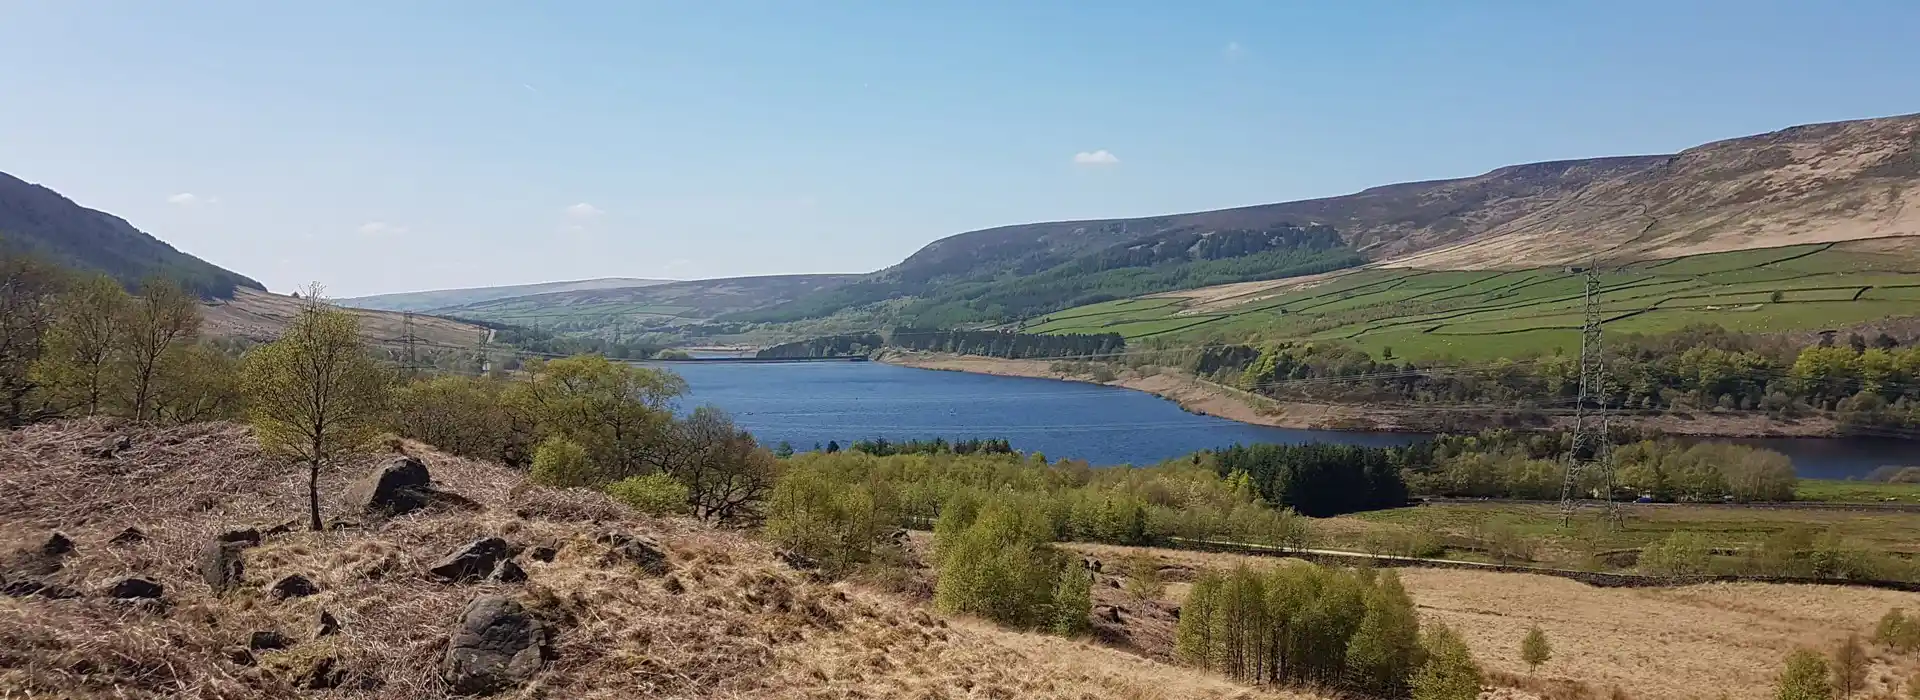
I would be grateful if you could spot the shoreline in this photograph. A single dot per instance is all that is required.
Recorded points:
(1205, 398)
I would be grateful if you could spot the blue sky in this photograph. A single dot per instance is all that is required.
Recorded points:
(392, 146)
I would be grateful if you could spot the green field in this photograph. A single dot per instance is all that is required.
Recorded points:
(1423, 314)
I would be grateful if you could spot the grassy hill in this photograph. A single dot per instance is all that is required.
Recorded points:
(1480, 314)
(260, 317)
(653, 306)
(442, 298)
(38, 220)
(1822, 183)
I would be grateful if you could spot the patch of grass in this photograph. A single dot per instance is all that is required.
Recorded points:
(1848, 491)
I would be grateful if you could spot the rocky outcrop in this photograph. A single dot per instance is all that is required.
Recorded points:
(398, 487)
(498, 645)
(221, 566)
(473, 561)
(507, 571)
(638, 551)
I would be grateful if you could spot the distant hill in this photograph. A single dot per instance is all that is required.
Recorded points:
(442, 298)
(1807, 184)
(261, 317)
(39, 220)
(673, 302)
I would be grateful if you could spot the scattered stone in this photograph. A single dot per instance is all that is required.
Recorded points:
(131, 535)
(498, 645)
(475, 560)
(268, 639)
(641, 552)
(244, 536)
(57, 544)
(239, 656)
(322, 674)
(507, 572)
(283, 528)
(131, 588)
(328, 625)
(400, 486)
(293, 586)
(221, 566)
(543, 554)
(673, 586)
(343, 525)
(110, 447)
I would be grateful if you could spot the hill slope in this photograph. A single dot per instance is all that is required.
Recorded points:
(261, 317)
(39, 220)
(660, 304)
(442, 298)
(1807, 184)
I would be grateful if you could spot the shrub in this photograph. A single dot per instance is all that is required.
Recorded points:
(1534, 650)
(1072, 601)
(1143, 576)
(1002, 566)
(1897, 631)
(653, 494)
(835, 523)
(1804, 678)
(1449, 672)
(562, 463)
(1679, 554)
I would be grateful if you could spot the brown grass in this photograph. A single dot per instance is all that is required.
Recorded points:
(736, 625)
(261, 316)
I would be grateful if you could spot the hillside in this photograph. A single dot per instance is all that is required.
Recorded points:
(649, 306)
(39, 220)
(442, 298)
(260, 317)
(718, 617)
(1819, 183)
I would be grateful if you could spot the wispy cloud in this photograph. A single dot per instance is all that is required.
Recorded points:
(584, 211)
(382, 228)
(1233, 50)
(1102, 157)
(189, 199)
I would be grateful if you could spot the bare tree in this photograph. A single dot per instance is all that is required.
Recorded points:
(728, 475)
(163, 315)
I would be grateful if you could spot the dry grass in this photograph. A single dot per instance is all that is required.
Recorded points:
(261, 316)
(733, 624)
(1690, 642)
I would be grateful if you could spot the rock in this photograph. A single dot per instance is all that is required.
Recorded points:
(543, 554)
(57, 544)
(131, 535)
(472, 561)
(293, 586)
(245, 536)
(400, 486)
(673, 586)
(130, 588)
(221, 566)
(507, 572)
(321, 674)
(498, 645)
(110, 447)
(1110, 613)
(268, 639)
(238, 656)
(641, 552)
(328, 625)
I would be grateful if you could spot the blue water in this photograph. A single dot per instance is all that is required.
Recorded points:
(805, 404)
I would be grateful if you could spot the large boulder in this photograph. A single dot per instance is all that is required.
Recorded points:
(473, 561)
(498, 645)
(398, 487)
(221, 565)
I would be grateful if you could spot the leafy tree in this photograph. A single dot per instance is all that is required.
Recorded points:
(619, 413)
(1449, 672)
(1386, 648)
(1534, 650)
(728, 475)
(832, 521)
(315, 394)
(1193, 637)
(201, 383)
(1849, 666)
(162, 317)
(1143, 576)
(1897, 631)
(562, 463)
(1804, 678)
(28, 288)
(1072, 601)
(653, 494)
(1001, 567)
(467, 416)
(82, 344)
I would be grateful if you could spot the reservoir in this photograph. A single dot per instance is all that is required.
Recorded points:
(808, 403)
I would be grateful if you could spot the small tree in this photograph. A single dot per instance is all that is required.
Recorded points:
(160, 318)
(1804, 678)
(561, 463)
(1849, 666)
(1072, 601)
(1449, 673)
(82, 345)
(1897, 631)
(1143, 576)
(653, 494)
(315, 394)
(1534, 650)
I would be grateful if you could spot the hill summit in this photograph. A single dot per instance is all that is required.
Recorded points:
(39, 220)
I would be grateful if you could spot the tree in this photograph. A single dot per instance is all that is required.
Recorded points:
(159, 319)
(1143, 576)
(728, 475)
(200, 384)
(831, 521)
(653, 494)
(1386, 648)
(1534, 650)
(619, 413)
(82, 344)
(315, 395)
(1449, 672)
(1804, 678)
(1002, 567)
(1072, 601)
(1849, 666)
(28, 288)
(562, 463)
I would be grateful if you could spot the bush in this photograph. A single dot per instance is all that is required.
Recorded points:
(1449, 672)
(562, 463)
(653, 494)
(1002, 566)
(1804, 678)
(1679, 554)
(1534, 650)
(1072, 601)
(836, 523)
(1143, 576)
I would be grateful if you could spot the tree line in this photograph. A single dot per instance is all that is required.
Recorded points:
(1507, 464)
(1008, 344)
(827, 346)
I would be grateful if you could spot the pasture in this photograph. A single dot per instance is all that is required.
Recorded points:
(1482, 314)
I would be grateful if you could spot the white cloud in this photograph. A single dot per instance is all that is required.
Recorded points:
(189, 199)
(381, 228)
(1101, 157)
(1233, 49)
(585, 211)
